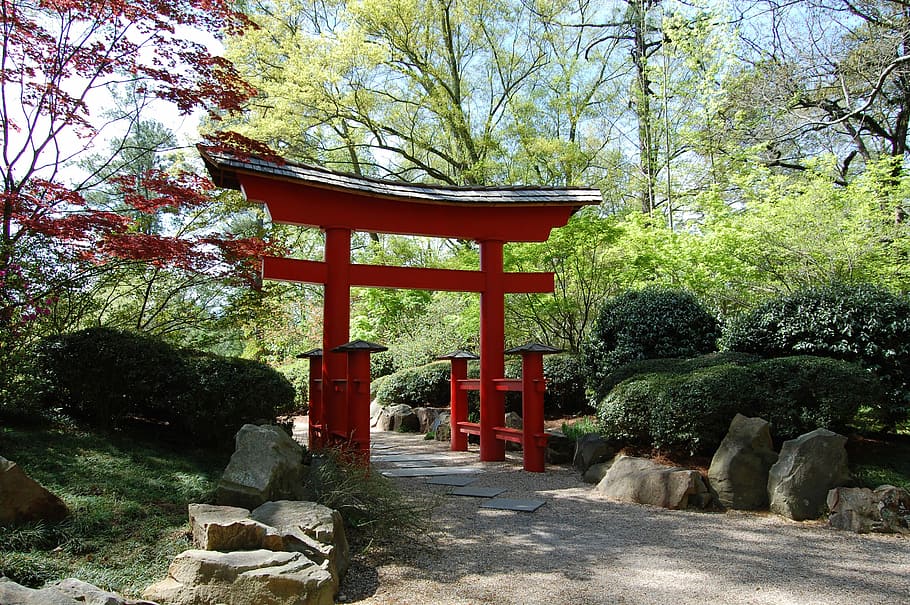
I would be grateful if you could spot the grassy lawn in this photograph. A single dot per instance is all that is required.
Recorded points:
(128, 500)
(879, 461)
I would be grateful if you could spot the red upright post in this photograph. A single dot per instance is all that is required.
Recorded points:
(358, 395)
(492, 338)
(316, 421)
(336, 332)
(458, 401)
(532, 391)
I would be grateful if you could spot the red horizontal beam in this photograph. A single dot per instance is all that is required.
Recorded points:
(295, 204)
(413, 278)
(507, 384)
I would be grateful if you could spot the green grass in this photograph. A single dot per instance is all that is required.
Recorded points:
(128, 501)
(880, 461)
(583, 426)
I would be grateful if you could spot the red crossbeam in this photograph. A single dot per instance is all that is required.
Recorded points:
(413, 278)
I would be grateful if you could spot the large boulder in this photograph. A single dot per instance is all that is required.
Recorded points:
(807, 468)
(22, 499)
(266, 465)
(229, 528)
(442, 428)
(203, 577)
(294, 526)
(309, 528)
(852, 509)
(64, 592)
(402, 419)
(739, 469)
(643, 481)
(560, 449)
(886, 510)
(590, 450)
(427, 418)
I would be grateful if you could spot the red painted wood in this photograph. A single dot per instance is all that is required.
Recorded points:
(470, 384)
(315, 411)
(508, 384)
(492, 338)
(414, 278)
(358, 403)
(532, 412)
(294, 204)
(504, 433)
(469, 428)
(458, 406)
(336, 330)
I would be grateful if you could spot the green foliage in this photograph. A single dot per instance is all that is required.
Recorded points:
(106, 377)
(647, 324)
(127, 498)
(426, 385)
(565, 394)
(297, 373)
(581, 427)
(687, 404)
(380, 514)
(859, 323)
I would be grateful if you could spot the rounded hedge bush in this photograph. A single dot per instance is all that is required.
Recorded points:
(106, 376)
(653, 323)
(423, 386)
(859, 323)
(687, 405)
(565, 394)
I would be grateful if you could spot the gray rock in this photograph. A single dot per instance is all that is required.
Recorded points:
(64, 592)
(560, 449)
(229, 528)
(739, 469)
(383, 420)
(375, 409)
(852, 509)
(893, 509)
(596, 472)
(402, 419)
(309, 528)
(513, 420)
(642, 481)
(442, 428)
(22, 499)
(427, 417)
(266, 465)
(202, 577)
(590, 450)
(807, 468)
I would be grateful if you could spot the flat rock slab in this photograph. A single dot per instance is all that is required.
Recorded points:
(431, 471)
(454, 480)
(526, 506)
(408, 458)
(414, 464)
(478, 492)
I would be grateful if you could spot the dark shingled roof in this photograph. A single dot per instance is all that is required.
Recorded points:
(225, 169)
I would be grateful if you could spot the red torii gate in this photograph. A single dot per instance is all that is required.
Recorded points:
(341, 203)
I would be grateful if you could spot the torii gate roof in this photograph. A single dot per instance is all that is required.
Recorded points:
(305, 195)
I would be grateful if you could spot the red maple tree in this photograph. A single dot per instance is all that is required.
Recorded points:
(60, 60)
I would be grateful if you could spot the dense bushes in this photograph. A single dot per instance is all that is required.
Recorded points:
(565, 394)
(105, 376)
(647, 324)
(687, 404)
(862, 323)
(426, 385)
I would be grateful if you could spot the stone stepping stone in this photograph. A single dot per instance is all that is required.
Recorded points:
(413, 464)
(408, 458)
(430, 471)
(453, 480)
(526, 506)
(478, 492)
(381, 446)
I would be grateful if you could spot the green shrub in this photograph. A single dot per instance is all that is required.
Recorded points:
(863, 324)
(565, 394)
(688, 404)
(426, 385)
(652, 323)
(298, 374)
(105, 377)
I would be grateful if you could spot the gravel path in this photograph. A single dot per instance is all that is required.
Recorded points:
(582, 549)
